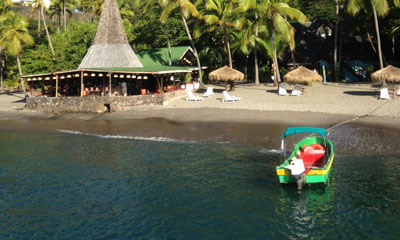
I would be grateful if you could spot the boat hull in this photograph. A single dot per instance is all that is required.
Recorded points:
(313, 174)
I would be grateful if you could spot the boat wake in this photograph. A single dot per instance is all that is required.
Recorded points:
(275, 151)
(155, 139)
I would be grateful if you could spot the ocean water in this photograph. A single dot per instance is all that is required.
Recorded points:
(68, 184)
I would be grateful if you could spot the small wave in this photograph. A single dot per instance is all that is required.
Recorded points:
(270, 151)
(155, 139)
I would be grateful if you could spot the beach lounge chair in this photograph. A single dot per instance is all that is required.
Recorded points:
(229, 98)
(209, 92)
(282, 90)
(384, 94)
(192, 97)
(398, 92)
(296, 91)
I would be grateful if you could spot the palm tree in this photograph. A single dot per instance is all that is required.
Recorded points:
(379, 8)
(252, 8)
(187, 10)
(40, 3)
(218, 14)
(57, 10)
(335, 70)
(154, 9)
(274, 17)
(4, 8)
(14, 32)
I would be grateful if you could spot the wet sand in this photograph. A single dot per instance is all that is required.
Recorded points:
(257, 120)
(322, 105)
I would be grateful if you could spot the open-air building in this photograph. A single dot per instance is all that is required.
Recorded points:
(112, 76)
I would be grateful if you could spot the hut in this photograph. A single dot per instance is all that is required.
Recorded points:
(109, 70)
(110, 47)
(302, 75)
(226, 74)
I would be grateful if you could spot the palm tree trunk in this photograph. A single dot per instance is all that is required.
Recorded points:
(256, 75)
(1, 69)
(278, 75)
(59, 24)
(227, 45)
(64, 15)
(169, 45)
(47, 32)
(39, 22)
(194, 48)
(20, 74)
(335, 70)
(378, 38)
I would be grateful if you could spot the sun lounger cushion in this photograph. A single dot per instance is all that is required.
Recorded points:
(282, 90)
(229, 98)
(384, 94)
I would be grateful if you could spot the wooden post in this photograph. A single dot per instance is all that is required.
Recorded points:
(104, 85)
(82, 86)
(109, 83)
(56, 85)
(162, 85)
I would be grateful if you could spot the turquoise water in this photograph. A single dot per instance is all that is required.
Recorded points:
(65, 185)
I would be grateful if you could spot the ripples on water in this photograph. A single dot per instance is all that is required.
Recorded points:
(68, 185)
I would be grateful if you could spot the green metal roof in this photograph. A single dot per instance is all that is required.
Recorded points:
(159, 56)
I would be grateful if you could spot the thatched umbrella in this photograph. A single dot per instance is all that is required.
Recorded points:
(226, 74)
(302, 75)
(388, 74)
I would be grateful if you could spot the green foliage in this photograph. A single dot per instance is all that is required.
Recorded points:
(70, 48)
(317, 8)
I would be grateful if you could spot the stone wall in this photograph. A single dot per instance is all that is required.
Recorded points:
(96, 104)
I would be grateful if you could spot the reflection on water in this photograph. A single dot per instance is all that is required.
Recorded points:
(75, 186)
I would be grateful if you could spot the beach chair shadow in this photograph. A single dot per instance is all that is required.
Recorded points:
(362, 93)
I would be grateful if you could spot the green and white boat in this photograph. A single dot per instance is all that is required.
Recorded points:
(316, 152)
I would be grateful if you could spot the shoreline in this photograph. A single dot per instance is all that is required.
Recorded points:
(216, 115)
(323, 105)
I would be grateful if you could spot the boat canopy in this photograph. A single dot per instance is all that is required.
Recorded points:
(296, 130)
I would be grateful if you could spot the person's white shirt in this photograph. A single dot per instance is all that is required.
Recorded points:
(124, 88)
(296, 166)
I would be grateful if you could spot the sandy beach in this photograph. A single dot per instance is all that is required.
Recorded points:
(321, 105)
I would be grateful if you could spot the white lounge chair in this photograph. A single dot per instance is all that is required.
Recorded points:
(192, 97)
(384, 94)
(398, 92)
(296, 91)
(282, 90)
(229, 98)
(209, 92)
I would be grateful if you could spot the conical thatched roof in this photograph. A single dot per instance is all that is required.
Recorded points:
(302, 75)
(110, 47)
(225, 74)
(389, 74)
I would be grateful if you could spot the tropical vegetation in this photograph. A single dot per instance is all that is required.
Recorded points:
(225, 32)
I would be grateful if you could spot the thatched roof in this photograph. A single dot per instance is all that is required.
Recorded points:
(225, 74)
(302, 75)
(389, 74)
(110, 47)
